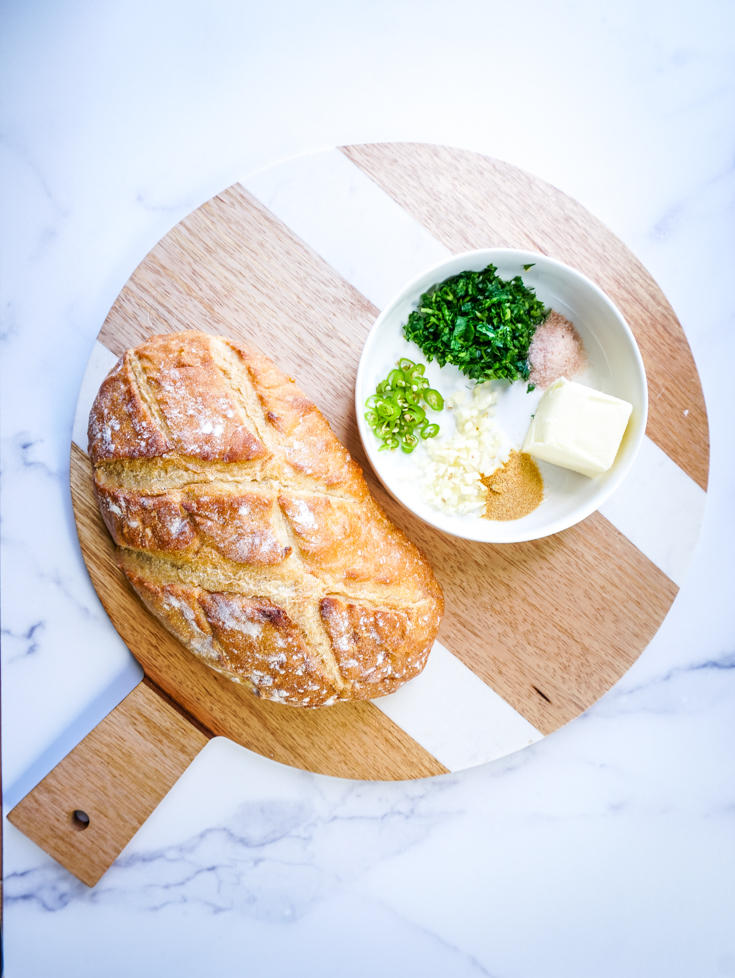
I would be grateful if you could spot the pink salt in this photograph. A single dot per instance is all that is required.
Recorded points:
(556, 351)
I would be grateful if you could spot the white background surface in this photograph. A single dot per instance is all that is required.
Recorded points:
(606, 849)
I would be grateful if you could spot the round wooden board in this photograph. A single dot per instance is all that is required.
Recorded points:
(548, 626)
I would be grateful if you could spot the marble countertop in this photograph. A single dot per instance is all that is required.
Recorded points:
(606, 849)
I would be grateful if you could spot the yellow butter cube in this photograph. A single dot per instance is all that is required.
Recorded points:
(577, 428)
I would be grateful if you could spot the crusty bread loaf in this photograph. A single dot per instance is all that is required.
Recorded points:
(245, 526)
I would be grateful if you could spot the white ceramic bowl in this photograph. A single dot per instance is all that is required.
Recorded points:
(614, 366)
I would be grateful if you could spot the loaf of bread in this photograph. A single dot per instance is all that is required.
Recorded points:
(246, 528)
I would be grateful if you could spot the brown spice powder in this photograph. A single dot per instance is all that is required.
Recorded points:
(514, 490)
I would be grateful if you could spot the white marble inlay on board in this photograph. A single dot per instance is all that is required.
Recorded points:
(659, 508)
(374, 243)
(604, 849)
(448, 710)
(347, 219)
(455, 716)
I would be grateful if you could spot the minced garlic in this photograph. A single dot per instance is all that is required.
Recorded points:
(452, 476)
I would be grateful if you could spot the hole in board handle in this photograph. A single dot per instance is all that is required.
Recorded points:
(79, 820)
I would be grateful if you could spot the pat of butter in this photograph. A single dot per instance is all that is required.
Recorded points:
(578, 428)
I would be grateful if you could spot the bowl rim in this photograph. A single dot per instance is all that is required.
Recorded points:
(558, 524)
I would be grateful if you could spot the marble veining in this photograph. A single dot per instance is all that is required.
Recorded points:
(605, 849)
(242, 864)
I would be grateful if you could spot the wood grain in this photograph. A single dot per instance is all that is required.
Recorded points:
(232, 268)
(568, 615)
(471, 201)
(503, 604)
(351, 740)
(550, 625)
(117, 776)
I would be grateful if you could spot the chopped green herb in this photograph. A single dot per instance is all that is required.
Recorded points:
(526, 267)
(480, 323)
(394, 412)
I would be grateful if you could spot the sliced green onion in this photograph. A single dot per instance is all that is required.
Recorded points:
(389, 409)
(434, 399)
(394, 412)
(414, 415)
(412, 397)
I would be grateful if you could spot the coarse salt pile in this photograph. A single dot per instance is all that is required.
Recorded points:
(556, 351)
(452, 475)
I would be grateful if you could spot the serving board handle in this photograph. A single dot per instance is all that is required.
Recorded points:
(89, 807)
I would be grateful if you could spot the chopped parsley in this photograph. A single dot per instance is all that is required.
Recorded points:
(480, 323)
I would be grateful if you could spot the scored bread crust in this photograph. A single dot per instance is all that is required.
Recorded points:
(246, 527)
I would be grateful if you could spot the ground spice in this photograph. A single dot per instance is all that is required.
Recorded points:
(514, 490)
(556, 351)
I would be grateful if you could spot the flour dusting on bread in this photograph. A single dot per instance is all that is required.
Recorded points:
(249, 531)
